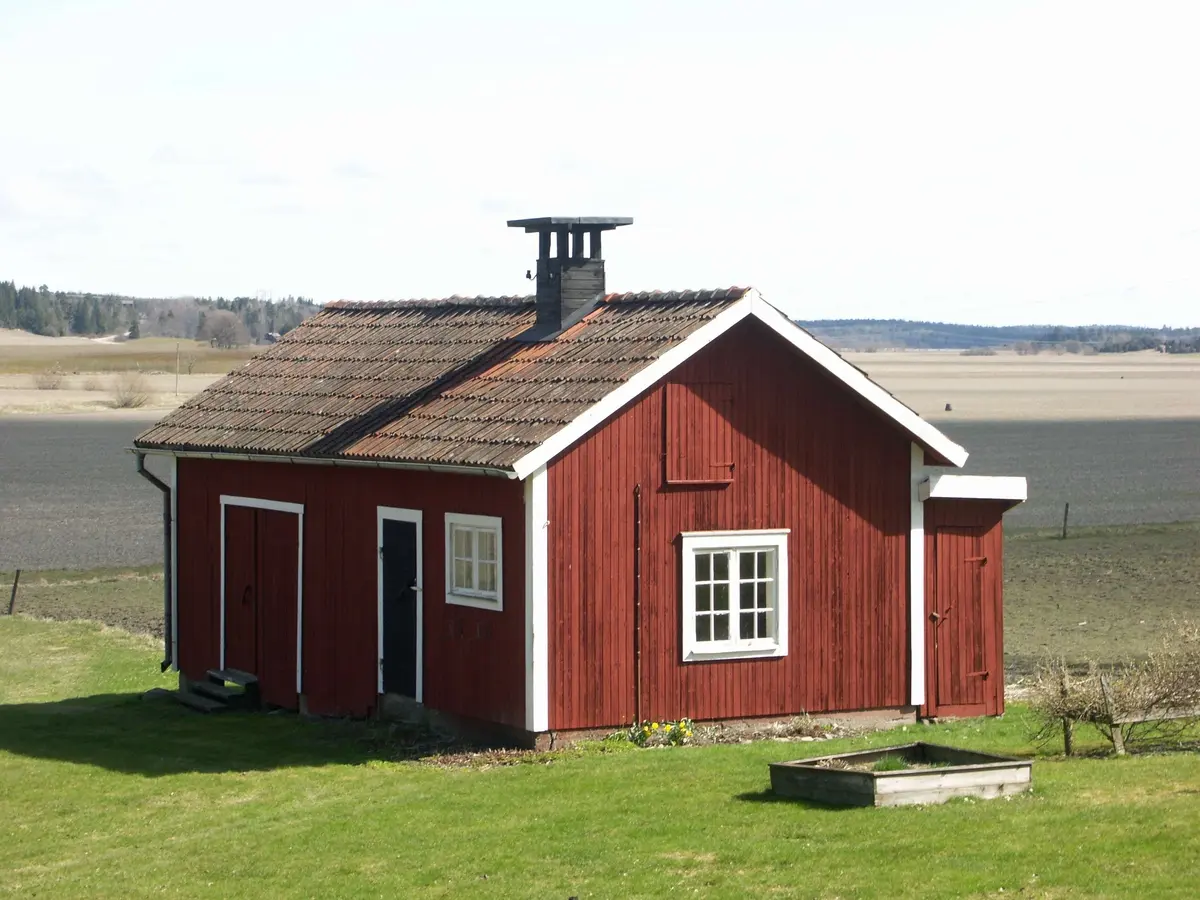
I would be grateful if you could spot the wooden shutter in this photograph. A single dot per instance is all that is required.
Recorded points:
(698, 435)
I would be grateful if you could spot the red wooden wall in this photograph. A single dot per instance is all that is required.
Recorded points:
(474, 658)
(806, 456)
(957, 531)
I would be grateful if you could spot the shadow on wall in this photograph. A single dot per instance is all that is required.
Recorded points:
(129, 734)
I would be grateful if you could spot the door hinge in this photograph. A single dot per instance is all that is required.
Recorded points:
(982, 674)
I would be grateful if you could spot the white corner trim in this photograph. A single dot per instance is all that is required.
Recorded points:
(751, 305)
(480, 599)
(975, 487)
(765, 539)
(175, 563)
(537, 603)
(397, 514)
(277, 506)
(916, 578)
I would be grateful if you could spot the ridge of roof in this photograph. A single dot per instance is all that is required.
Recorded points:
(455, 300)
(459, 301)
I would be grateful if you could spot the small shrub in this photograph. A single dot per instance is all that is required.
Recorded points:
(93, 383)
(49, 380)
(1165, 684)
(131, 390)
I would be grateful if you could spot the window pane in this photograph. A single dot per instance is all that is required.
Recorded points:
(462, 574)
(720, 597)
(703, 567)
(721, 566)
(746, 630)
(487, 545)
(763, 562)
(763, 603)
(762, 625)
(703, 628)
(720, 628)
(487, 577)
(462, 541)
(703, 598)
(746, 564)
(747, 594)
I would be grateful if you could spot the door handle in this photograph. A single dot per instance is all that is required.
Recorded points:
(935, 617)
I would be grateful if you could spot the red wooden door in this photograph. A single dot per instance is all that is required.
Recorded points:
(241, 589)
(960, 622)
(262, 548)
(278, 549)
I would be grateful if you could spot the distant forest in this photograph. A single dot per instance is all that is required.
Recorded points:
(881, 334)
(239, 320)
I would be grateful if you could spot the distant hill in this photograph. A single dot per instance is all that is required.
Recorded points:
(55, 313)
(905, 334)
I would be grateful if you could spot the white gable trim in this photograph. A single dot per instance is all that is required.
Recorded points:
(751, 305)
(975, 487)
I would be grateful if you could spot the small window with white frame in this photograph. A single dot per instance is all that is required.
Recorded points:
(735, 596)
(474, 574)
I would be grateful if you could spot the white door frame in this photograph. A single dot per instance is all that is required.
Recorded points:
(399, 514)
(278, 506)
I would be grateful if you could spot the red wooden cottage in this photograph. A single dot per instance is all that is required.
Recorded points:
(574, 510)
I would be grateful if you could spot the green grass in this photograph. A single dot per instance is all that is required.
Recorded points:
(103, 794)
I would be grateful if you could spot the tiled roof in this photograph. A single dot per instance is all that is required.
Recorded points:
(430, 381)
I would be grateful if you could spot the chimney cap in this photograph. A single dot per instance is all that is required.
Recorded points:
(591, 223)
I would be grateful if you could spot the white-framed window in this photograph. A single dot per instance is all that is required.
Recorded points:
(474, 575)
(735, 594)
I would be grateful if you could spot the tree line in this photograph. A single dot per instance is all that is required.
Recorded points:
(225, 322)
(865, 334)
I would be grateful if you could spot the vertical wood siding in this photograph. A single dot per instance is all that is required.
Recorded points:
(474, 659)
(806, 457)
(966, 593)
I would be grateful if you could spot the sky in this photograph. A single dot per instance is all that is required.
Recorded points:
(987, 163)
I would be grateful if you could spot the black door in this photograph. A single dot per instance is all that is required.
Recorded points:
(399, 554)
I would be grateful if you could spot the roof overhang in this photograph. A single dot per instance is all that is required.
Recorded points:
(1011, 489)
(750, 306)
(343, 462)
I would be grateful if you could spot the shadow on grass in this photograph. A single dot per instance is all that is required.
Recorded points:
(769, 796)
(126, 733)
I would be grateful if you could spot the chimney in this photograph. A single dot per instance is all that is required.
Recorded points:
(570, 281)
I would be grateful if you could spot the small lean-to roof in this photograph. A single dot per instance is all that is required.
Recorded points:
(447, 383)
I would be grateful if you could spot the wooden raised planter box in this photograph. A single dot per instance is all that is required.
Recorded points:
(937, 774)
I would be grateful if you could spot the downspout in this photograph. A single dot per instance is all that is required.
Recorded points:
(166, 495)
(637, 604)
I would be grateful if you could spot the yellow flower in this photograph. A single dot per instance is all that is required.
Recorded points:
(655, 726)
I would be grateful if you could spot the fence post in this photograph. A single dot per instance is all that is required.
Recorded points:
(12, 599)
(1066, 512)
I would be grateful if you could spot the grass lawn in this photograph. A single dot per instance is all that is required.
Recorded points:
(103, 794)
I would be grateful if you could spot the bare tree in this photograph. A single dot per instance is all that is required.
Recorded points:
(224, 329)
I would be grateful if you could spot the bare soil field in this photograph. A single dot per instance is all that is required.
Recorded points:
(1103, 594)
(1145, 385)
